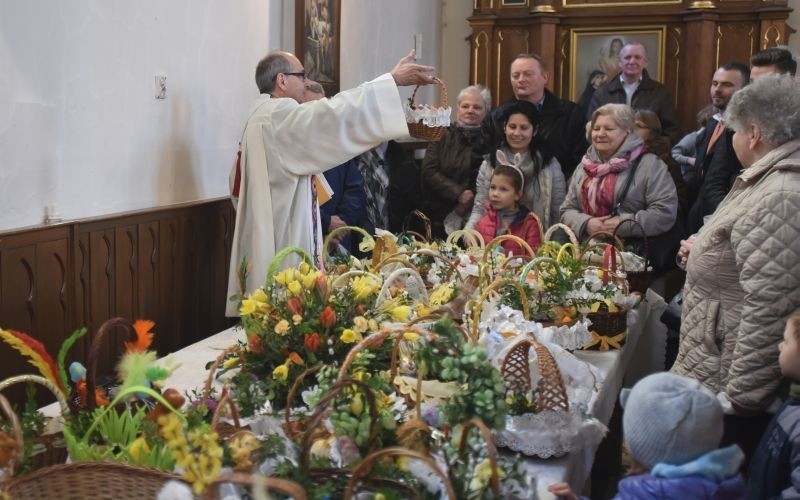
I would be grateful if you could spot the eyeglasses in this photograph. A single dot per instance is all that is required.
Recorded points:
(299, 74)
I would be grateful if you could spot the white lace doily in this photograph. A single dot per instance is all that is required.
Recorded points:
(548, 433)
(428, 115)
(570, 337)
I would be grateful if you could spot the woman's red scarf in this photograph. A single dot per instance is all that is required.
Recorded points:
(597, 192)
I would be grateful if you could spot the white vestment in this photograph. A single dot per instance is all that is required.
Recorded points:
(283, 145)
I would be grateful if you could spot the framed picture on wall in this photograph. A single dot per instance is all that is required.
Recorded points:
(317, 24)
(594, 54)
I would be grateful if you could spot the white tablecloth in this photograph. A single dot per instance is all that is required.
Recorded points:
(642, 354)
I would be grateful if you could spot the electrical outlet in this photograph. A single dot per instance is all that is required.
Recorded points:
(418, 46)
(161, 87)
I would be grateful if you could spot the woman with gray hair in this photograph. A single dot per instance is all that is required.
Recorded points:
(618, 180)
(450, 167)
(743, 271)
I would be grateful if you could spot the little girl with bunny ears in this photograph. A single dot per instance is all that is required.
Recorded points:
(504, 214)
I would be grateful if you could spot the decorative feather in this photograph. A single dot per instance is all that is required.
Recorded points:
(132, 369)
(62, 354)
(143, 336)
(36, 354)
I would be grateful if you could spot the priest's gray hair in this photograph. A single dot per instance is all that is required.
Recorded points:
(772, 102)
(267, 71)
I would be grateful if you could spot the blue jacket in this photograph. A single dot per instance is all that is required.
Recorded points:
(775, 468)
(348, 201)
(647, 486)
(710, 476)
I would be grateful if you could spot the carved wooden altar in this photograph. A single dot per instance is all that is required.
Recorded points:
(695, 37)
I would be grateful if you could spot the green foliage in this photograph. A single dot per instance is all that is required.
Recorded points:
(62, 355)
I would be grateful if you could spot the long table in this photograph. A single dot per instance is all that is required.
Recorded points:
(643, 353)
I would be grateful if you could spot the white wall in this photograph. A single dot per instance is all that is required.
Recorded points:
(455, 50)
(377, 33)
(79, 125)
(794, 22)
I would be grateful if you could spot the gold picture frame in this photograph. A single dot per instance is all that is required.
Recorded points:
(317, 28)
(594, 49)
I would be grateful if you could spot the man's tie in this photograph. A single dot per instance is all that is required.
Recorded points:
(715, 135)
(376, 183)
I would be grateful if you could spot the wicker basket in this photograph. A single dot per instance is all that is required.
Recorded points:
(365, 467)
(639, 281)
(95, 480)
(11, 451)
(487, 271)
(418, 129)
(407, 231)
(551, 431)
(608, 327)
(48, 449)
(282, 486)
(477, 305)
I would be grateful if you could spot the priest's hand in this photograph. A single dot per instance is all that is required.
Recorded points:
(407, 72)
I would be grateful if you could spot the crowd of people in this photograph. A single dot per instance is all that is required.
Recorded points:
(721, 203)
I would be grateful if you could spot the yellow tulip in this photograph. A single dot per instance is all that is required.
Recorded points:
(309, 279)
(364, 286)
(281, 372)
(285, 276)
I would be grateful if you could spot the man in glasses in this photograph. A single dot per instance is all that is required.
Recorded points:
(288, 143)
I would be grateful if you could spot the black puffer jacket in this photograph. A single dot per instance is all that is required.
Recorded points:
(649, 95)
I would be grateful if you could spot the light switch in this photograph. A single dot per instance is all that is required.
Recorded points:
(161, 87)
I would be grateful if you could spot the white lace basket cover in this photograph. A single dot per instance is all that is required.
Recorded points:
(556, 429)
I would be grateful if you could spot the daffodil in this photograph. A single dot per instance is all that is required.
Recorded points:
(295, 288)
(285, 276)
(365, 286)
(401, 313)
(349, 336)
(281, 372)
(282, 328)
(248, 307)
(259, 295)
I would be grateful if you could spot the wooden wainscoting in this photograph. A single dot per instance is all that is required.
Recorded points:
(166, 264)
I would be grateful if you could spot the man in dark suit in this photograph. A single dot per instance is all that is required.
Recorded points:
(716, 164)
(562, 128)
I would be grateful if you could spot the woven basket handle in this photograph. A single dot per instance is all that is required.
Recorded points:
(212, 370)
(368, 342)
(38, 379)
(452, 269)
(283, 486)
(277, 261)
(570, 233)
(471, 237)
(486, 434)
(538, 221)
(536, 264)
(425, 220)
(442, 101)
(339, 230)
(94, 353)
(607, 236)
(411, 272)
(228, 401)
(477, 306)
(516, 374)
(365, 467)
(321, 412)
(644, 237)
(290, 397)
(16, 431)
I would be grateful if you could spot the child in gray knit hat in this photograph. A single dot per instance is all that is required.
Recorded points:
(672, 427)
